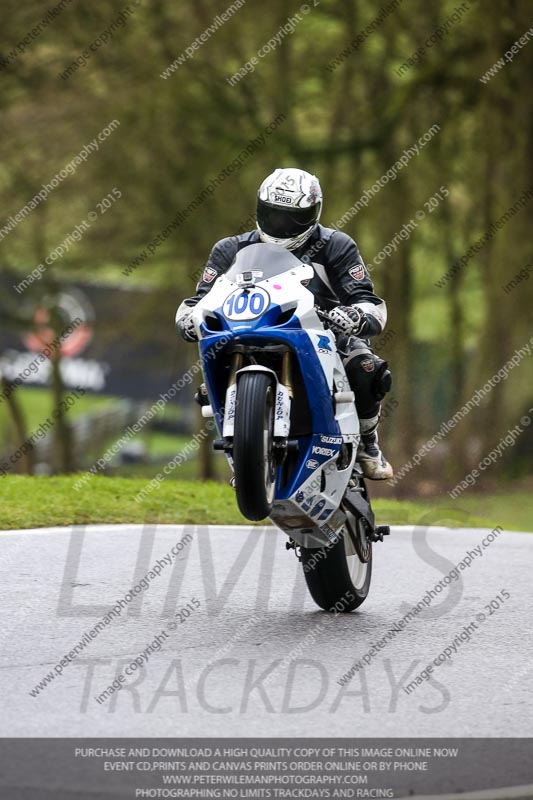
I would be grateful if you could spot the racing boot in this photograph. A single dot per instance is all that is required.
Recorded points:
(369, 457)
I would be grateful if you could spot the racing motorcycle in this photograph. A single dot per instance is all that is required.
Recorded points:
(286, 416)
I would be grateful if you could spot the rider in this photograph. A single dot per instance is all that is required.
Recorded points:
(289, 205)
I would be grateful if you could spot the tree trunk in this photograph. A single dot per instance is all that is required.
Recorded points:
(63, 455)
(19, 423)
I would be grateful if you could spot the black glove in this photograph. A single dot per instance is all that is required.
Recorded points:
(347, 319)
(186, 328)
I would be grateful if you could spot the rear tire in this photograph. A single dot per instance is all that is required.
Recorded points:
(253, 445)
(336, 577)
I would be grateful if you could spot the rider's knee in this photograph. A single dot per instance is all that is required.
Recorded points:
(369, 374)
(382, 380)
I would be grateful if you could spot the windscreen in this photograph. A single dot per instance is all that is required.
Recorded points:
(270, 259)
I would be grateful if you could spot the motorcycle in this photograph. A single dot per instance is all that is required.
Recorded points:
(286, 416)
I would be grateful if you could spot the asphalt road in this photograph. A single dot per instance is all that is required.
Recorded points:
(255, 657)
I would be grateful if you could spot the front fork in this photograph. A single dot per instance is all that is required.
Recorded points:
(236, 364)
(284, 397)
(281, 444)
(286, 373)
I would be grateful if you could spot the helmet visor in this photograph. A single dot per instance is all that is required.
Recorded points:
(284, 223)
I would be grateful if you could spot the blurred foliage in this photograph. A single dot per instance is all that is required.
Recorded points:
(347, 123)
(36, 404)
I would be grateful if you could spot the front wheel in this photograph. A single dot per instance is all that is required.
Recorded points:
(338, 576)
(253, 445)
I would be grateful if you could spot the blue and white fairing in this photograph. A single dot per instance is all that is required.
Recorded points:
(262, 300)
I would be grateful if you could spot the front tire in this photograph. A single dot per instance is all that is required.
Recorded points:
(253, 446)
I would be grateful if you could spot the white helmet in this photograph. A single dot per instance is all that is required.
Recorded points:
(289, 205)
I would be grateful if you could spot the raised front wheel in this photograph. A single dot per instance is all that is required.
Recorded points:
(253, 445)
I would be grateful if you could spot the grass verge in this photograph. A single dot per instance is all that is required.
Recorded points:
(35, 502)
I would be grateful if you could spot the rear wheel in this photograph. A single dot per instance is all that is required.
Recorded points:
(338, 576)
(253, 445)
